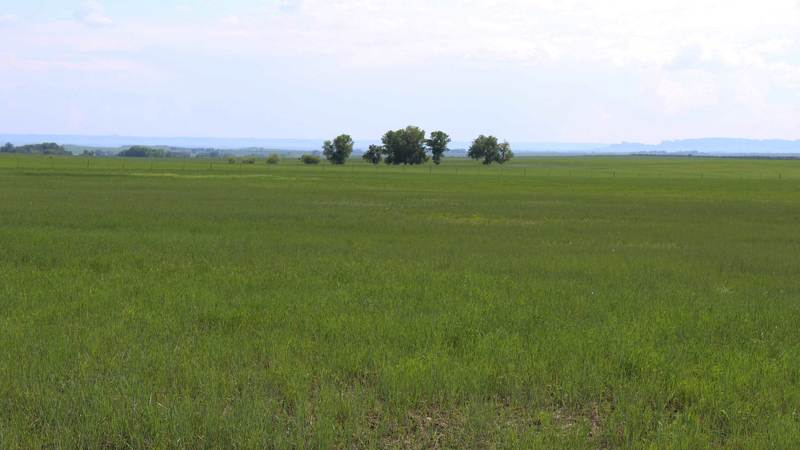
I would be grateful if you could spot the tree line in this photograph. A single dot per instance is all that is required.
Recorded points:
(141, 151)
(46, 148)
(411, 146)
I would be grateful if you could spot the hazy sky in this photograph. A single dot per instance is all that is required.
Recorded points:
(536, 70)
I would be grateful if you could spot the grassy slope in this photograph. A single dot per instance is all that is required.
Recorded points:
(576, 302)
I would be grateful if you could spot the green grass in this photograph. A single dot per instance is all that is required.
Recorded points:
(553, 303)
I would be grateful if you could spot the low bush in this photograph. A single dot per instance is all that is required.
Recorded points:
(310, 159)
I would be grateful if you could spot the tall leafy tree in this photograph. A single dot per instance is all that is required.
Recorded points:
(483, 147)
(437, 143)
(504, 152)
(405, 146)
(374, 154)
(487, 148)
(338, 150)
(328, 150)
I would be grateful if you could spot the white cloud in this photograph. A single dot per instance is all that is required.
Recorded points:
(636, 62)
(616, 32)
(688, 90)
(7, 19)
(43, 65)
(93, 13)
(231, 21)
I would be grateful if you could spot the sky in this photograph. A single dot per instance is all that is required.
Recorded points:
(533, 71)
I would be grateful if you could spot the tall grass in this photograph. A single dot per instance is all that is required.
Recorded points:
(564, 302)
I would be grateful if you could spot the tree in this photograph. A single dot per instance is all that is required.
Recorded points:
(504, 152)
(273, 159)
(140, 151)
(489, 150)
(339, 150)
(437, 143)
(405, 146)
(328, 150)
(8, 148)
(374, 155)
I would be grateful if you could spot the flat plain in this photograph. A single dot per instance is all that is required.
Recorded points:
(592, 302)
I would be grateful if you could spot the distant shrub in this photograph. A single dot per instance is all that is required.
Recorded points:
(248, 160)
(273, 159)
(310, 159)
(231, 160)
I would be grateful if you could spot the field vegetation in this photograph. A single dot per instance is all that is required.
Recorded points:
(592, 302)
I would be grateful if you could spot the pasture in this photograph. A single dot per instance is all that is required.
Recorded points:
(592, 302)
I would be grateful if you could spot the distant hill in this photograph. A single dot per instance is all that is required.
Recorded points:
(712, 146)
(706, 146)
(173, 142)
(115, 142)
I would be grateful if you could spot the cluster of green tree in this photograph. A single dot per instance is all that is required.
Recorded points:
(490, 150)
(46, 148)
(338, 150)
(139, 151)
(410, 146)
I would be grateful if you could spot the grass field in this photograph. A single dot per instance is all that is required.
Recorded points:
(553, 303)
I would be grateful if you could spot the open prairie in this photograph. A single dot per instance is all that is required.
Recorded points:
(555, 302)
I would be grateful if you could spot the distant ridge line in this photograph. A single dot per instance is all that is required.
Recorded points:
(699, 146)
